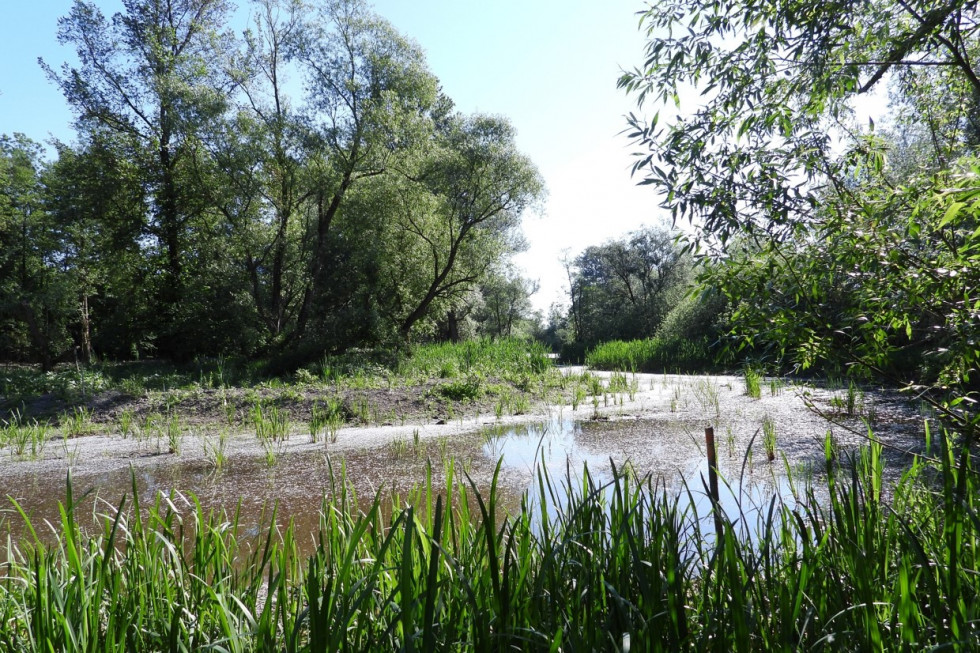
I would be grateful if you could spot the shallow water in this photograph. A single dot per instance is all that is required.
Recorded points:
(666, 442)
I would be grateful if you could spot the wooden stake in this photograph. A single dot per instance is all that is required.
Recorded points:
(709, 438)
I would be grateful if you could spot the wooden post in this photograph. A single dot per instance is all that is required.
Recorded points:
(709, 438)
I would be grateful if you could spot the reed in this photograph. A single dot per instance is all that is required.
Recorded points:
(656, 354)
(584, 564)
(753, 383)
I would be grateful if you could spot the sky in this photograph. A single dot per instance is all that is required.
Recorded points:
(549, 66)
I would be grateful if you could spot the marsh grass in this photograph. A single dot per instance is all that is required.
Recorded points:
(126, 422)
(26, 438)
(706, 392)
(519, 364)
(652, 355)
(326, 418)
(214, 452)
(271, 424)
(769, 437)
(753, 383)
(78, 422)
(775, 387)
(175, 433)
(851, 567)
(507, 358)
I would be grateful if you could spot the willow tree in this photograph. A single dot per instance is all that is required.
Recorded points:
(368, 94)
(854, 262)
(479, 184)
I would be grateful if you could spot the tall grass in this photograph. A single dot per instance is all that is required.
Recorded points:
(652, 355)
(508, 357)
(444, 569)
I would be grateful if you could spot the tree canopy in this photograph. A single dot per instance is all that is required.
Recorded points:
(302, 187)
(843, 245)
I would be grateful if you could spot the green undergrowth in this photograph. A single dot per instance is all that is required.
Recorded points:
(617, 565)
(520, 363)
(507, 358)
(653, 355)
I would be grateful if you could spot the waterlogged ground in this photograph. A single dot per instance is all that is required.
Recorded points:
(654, 424)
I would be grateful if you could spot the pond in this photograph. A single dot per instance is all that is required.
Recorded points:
(658, 430)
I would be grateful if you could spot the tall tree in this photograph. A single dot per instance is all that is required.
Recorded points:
(35, 300)
(149, 74)
(369, 91)
(481, 185)
(263, 150)
(94, 193)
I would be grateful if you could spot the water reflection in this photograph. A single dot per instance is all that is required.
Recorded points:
(668, 457)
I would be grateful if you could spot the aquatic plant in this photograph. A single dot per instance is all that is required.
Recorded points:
(78, 422)
(653, 355)
(25, 437)
(769, 437)
(271, 424)
(214, 452)
(326, 418)
(753, 383)
(126, 421)
(175, 433)
(706, 392)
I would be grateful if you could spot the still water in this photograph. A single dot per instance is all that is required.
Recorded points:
(671, 451)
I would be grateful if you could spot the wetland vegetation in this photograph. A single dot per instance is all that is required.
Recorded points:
(306, 301)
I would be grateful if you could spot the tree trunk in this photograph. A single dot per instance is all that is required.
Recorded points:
(453, 326)
(86, 331)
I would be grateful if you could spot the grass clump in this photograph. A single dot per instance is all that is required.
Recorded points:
(753, 383)
(769, 437)
(271, 424)
(26, 438)
(469, 389)
(326, 418)
(506, 358)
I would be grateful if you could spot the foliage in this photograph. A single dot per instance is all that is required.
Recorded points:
(837, 250)
(505, 309)
(610, 563)
(211, 209)
(652, 355)
(624, 288)
(753, 383)
(507, 358)
(36, 302)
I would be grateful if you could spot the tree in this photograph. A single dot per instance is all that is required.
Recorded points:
(777, 80)
(35, 301)
(148, 74)
(94, 193)
(505, 308)
(843, 260)
(368, 91)
(263, 150)
(624, 288)
(479, 185)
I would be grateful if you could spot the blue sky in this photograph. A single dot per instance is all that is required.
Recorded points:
(549, 66)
